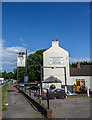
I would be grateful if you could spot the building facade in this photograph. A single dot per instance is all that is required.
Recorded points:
(54, 61)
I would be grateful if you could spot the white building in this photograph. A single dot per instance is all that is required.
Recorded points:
(54, 60)
(81, 75)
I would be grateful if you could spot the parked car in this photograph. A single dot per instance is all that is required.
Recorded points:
(57, 90)
(15, 84)
(21, 84)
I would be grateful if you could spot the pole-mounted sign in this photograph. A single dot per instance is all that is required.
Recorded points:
(21, 59)
(25, 79)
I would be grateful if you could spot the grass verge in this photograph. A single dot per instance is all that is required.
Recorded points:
(4, 92)
(4, 95)
(11, 83)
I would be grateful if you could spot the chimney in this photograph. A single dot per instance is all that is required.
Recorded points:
(78, 65)
(55, 43)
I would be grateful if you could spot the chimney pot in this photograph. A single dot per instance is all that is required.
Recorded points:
(78, 65)
(54, 43)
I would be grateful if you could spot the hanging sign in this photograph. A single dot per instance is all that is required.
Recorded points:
(25, 79)
(21, 58)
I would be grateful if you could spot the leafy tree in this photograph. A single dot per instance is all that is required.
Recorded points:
(0, 74)
(33, 67)
(5, 75)
(81, 63)
(15, 73)
(8, 75)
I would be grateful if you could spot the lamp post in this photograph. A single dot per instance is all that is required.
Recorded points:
(26, 64)
(26, 75)
(41, 75)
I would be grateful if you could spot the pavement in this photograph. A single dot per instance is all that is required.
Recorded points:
(18, 106)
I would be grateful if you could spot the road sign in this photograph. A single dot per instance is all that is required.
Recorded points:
(25, 79)
(21, 58)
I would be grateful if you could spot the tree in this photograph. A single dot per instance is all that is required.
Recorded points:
(33, 67)
(81, 63)
(8, 75)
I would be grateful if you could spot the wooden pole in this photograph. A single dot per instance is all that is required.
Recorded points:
(17, 74)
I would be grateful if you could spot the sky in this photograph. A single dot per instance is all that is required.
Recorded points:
(33, 25)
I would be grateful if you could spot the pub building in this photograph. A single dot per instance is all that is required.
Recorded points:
(55, 62)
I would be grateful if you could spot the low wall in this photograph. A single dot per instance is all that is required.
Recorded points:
(46, 112)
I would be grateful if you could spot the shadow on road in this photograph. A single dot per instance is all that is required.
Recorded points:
(11, 90)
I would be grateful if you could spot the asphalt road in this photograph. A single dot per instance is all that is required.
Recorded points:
(19, 107)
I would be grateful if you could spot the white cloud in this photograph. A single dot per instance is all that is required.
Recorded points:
(33, 52)
(74, 60)
(9, 55)
(8, 63)
(21, 39)
(15, 49)
(25, 45)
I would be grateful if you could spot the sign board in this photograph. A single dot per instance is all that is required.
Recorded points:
(25, 79)
(56, 60)
(21, 58)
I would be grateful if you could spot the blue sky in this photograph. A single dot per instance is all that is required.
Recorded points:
(35, 25)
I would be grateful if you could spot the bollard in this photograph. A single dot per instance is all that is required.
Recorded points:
(25, 88)
(48, 98)
(39, 95)
(66, 90)
(88, 91)
(29, 92)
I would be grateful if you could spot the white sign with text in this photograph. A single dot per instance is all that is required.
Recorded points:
(56, 60)
(21, 58)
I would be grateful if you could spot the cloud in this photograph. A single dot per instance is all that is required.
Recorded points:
(8, 63)
(21, 39)
(15, 49)
(25, 45)
(74, 60)
(9, 55)
(32, 52)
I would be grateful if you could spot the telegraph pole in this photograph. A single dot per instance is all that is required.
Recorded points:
(17, 74)
(65, 81)
(26, 64)
(26, 76)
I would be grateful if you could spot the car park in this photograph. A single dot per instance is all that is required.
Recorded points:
(58, 90)
(21, 84)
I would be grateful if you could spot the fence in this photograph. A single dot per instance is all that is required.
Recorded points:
(35, 91)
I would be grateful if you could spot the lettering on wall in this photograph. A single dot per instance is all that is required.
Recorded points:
(56, 60)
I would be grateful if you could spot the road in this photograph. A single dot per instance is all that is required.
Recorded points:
(4, 83)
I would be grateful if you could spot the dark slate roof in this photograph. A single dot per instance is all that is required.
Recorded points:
(51, 79)
(84, 70)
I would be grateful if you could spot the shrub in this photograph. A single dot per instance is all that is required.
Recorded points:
(60, 95)
(44, 95)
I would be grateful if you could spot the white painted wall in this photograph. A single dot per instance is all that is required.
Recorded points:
(47, 85)
(88, 80)
(56, 51)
